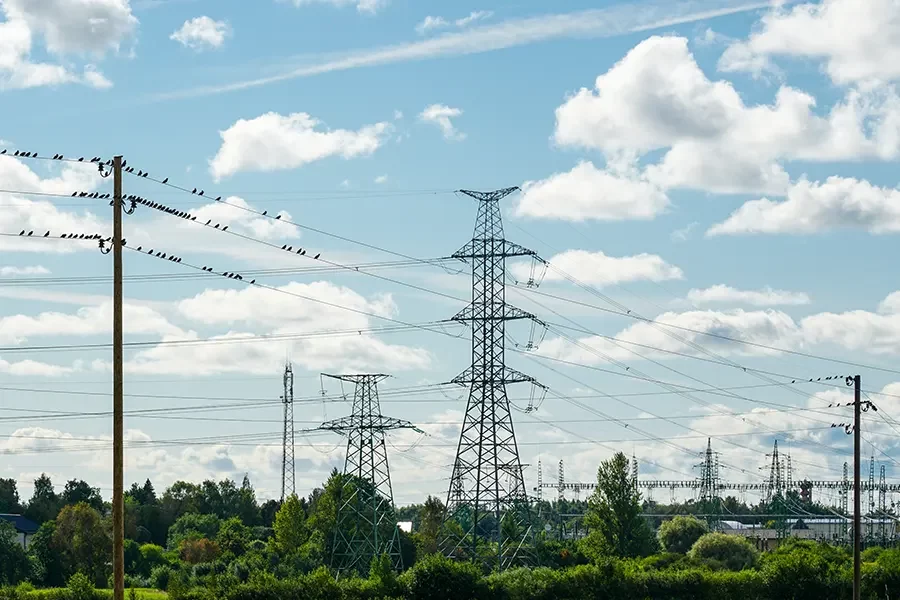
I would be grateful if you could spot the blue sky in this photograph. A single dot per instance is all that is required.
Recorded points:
(716, 165)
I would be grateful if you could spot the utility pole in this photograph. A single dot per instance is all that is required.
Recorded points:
(118, 508)
(857, 528)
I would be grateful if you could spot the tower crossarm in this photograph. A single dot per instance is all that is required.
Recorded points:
(492, 196)
(499, 311)
(478, 376)
(345, 425)
(485, 248)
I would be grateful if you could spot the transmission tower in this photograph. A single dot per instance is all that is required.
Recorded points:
(561, 480)
(540, 485)
(882, 506)
(872, 484)
(776, 476)
(366, 526)
(493, 515)
(634, 471)
(845, 491)
(288, 486)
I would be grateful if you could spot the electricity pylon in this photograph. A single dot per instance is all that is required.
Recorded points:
(288, 485)
(490, 521)
(366, 526)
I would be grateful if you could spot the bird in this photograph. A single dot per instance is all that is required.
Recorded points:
(193, 218)
(30, 232)
(316, 257)
(146, 173)
(303, 253)
(252, 282)
(278, 217)
(264, 212)
(165, 181)
(284, 247)
(4, 151)
(47, 234)
(17, 153)
(158, 254)
(64, 235)
(300, 251)
(138, 248)
(164, 255)
(202, 192)
(81, 159)
(239, 277)
(225, 228)
(217, 225)
(194, 191)
(219, 199)
(208, 222)
(22, 232)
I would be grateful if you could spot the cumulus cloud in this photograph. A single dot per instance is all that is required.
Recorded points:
(599, 269)
(202, 33)
(587, 192)
(811, 207)
(33, 368)
(658, 99)
(857, 41)
(29, 270)
(431, 23)
(724, 294)
(273, 142)
(442, 115)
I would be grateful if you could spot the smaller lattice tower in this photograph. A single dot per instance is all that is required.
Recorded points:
(634, 471)
(709, 475)
(845, 490)
(872, 484)
(540, 482)
(561, 482)
(288, 485)
(775, 483)
(366, 526)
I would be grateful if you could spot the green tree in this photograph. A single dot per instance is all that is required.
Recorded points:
(614, 514)
(246, 506)
(152, 556)
(44, 503)
(77, 491)
(290, 526)
(9, 497)
(430, 518)
(14, 565)
(193, 526)
(84, 542)
(733, 552)
(234, 536)
(43, 550)
(680, 533)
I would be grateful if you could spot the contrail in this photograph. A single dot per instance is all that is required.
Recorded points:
(616, 20)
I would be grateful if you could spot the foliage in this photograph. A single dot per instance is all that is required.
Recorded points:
(614, 514)
(160, 577)
(152, 556)
(733, 552)
(83, 542)
(80, 587)
(196, 551)
(193, 526)
(438, 578)
(290, 531)
(428, 527)
(234, 537)
(9, 497)
(44, 503)
(14, 566)
(43, 551)
(680, 533)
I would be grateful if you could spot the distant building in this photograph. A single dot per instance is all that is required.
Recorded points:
(25, 528)
(405, 526)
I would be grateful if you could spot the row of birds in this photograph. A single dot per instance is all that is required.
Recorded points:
(160, 254)
(228, 275)
(300, 251)
(21, 154)
(67, 236)
(171, 211)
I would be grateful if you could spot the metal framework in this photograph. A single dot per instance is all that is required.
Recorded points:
(776, 476)
(366, 526)
(489, 519)
(288, 485)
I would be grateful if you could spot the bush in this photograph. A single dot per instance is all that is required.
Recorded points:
(81, 588)
(437, 578)
(160, 577)
(680, 533)
(733, 552)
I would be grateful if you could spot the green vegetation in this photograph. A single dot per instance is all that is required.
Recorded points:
(215, 541)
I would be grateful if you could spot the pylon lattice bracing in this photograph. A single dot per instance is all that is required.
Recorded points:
(366, 526)
(489, 518)
(288, 485)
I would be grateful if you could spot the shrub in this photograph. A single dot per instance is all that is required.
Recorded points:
(680, 533)
(152, 556)
(80, 587)
(160, 577)
(437, 578)
(733, 552)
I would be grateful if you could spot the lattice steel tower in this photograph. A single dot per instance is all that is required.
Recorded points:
(775, 484)
(288, 485)
(366, 526)
(493, 519)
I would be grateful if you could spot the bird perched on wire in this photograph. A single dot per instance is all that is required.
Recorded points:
(165, 181)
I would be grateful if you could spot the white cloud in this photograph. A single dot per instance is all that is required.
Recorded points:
(810, 207)
(475, 15)
(381, 179)
(858, 41)
(429, 23)
(231, 212)
(398, 114)
(272, 142)
(599, 269)
(615, 20)
(35, 270)
(683, 234)
(658, 98)
(32, 368)
(586, 192)
(363, 6)
(723, 294)
(76, 26)
(441, 115)
(201, 33)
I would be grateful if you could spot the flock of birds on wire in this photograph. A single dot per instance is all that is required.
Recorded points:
(135, 200)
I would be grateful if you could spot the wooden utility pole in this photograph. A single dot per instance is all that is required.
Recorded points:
(857, 527)
(118, 508)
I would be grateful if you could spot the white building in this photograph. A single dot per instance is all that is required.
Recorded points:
(25, 528)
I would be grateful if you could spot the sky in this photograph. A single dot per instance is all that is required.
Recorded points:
(709, 183)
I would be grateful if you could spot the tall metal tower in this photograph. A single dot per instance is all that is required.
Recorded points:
(634, 471)
(709, 475)
(540, 483)
(775, 484)
(494, 513)
(366, 526)
(872, 484)
(561, 480)
(288, 486)
(845, 490)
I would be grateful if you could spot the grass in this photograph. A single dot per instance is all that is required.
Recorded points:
(141, 593)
